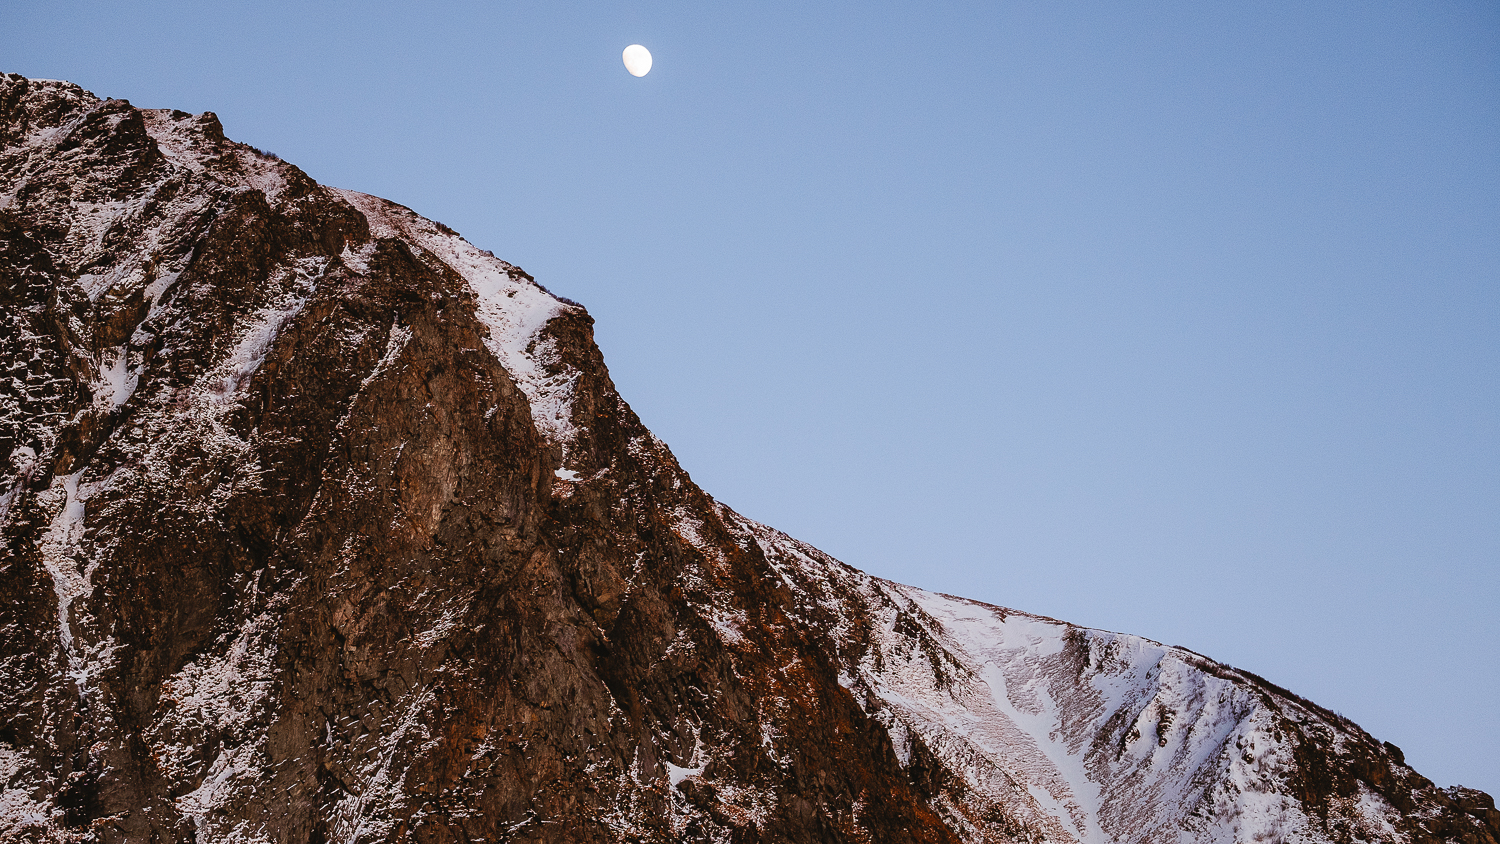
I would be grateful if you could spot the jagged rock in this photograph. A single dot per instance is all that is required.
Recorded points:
(320, 524)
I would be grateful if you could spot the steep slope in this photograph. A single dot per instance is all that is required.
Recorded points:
(321, 524)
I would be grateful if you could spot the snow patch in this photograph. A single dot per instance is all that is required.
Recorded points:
(676, 773)
(222, 697)
(445, 623)
(58, 546)
(372, 811)
(116, 381)
(22, 816)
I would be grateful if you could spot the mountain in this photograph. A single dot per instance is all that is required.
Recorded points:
(320, 524)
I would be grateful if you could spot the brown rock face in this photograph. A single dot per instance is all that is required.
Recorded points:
(319, 524)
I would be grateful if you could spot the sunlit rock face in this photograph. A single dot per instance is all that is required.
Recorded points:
(320, 524)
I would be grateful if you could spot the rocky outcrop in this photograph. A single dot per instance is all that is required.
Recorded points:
(321, 524)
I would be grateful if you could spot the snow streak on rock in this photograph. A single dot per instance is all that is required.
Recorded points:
(223, 694)
(512, 305)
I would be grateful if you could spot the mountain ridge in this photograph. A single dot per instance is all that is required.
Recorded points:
(321, 523)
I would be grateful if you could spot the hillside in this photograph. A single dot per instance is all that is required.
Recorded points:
(319, 523)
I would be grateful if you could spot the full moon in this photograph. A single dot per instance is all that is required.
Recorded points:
(637, 60)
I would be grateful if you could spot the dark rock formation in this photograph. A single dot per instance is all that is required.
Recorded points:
(319, 524)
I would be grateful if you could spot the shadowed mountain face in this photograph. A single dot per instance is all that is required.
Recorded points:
(319, 524)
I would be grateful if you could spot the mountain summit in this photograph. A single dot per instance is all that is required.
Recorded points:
(320, 524)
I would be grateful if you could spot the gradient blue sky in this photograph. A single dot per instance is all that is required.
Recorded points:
(1181, 319)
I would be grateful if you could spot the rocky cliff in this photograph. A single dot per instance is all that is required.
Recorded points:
(318, 523)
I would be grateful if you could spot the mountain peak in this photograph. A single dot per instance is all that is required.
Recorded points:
(320, 523)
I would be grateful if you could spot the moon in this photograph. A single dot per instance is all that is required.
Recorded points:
(637, 60)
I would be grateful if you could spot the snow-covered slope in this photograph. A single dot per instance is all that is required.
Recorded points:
(320, 523)
(1076, 734)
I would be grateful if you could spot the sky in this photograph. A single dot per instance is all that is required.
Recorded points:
(1172, 318)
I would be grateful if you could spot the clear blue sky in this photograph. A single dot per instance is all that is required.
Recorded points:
(1181, 319)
